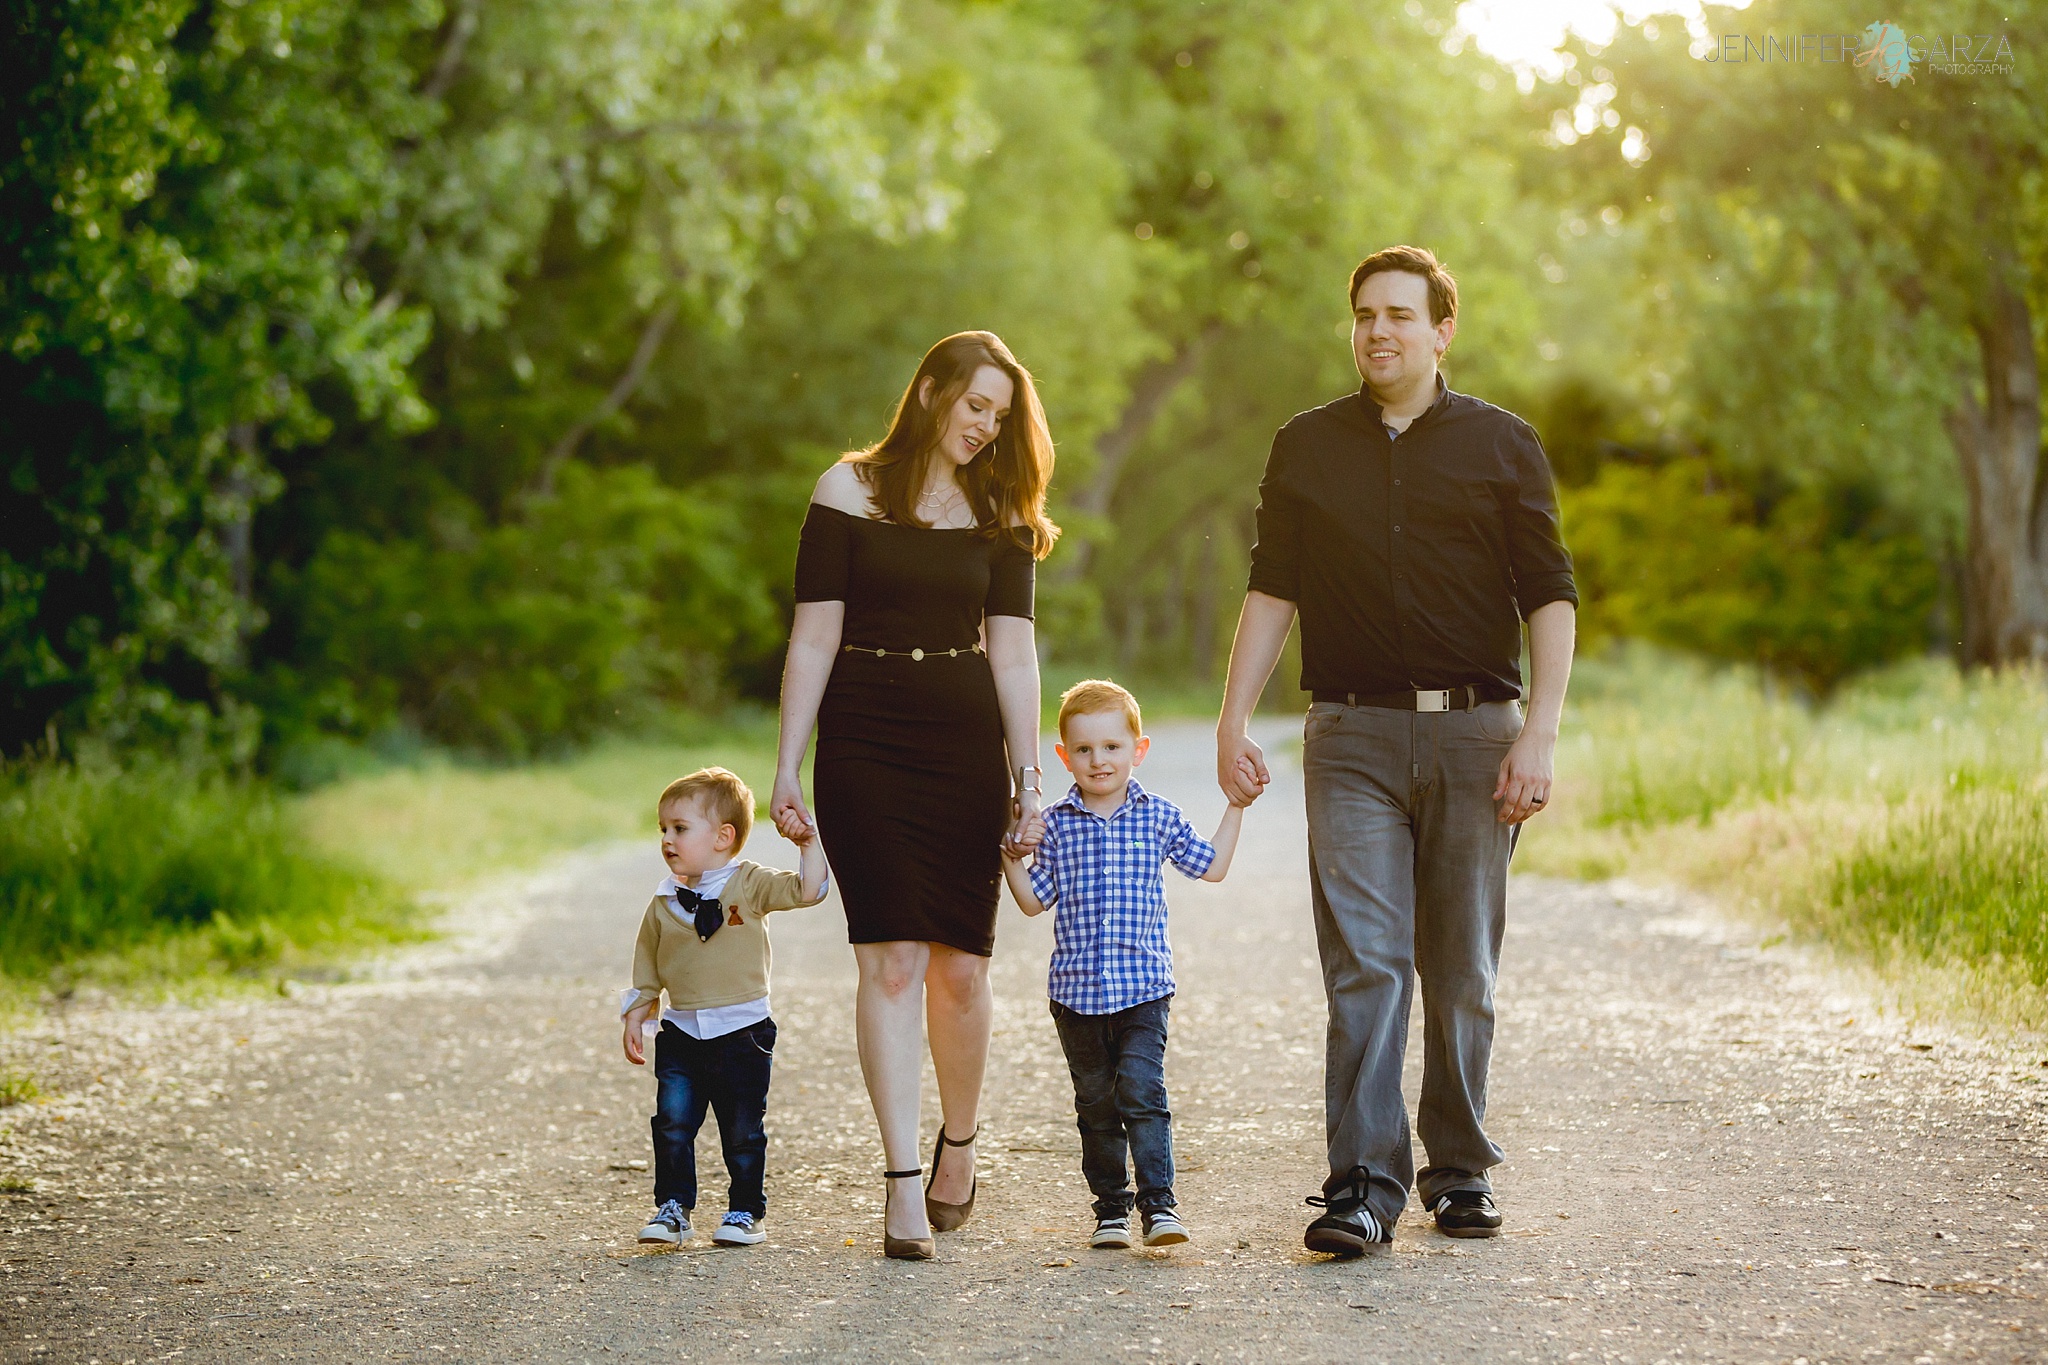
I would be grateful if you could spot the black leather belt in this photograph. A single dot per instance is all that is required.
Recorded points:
(1434, 699)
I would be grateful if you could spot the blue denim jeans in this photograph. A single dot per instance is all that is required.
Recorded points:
(1119, 1066)
(729, 1075)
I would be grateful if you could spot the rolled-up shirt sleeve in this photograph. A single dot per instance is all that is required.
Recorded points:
(1537, 558)
(1276, 556)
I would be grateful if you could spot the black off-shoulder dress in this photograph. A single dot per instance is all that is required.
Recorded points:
(911, 778)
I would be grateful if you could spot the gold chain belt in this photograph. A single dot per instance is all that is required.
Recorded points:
(911, 653)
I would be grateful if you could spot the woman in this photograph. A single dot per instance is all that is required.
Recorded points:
(912, 652)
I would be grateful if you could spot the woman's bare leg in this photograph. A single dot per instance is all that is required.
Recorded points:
(959, 1009)
(888, 1019)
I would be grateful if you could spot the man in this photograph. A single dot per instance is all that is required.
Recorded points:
(1414, 529)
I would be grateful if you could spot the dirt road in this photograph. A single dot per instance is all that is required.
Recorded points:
(1713, 1155)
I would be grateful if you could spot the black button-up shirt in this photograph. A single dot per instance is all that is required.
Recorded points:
(1411, 558)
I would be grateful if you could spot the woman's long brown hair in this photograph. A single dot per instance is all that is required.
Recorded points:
(1005, 482)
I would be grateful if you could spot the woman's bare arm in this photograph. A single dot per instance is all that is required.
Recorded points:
(813, 648)
(1013, 656)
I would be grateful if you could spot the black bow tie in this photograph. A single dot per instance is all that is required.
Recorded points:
(704, 909)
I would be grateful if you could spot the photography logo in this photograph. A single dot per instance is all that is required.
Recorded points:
(1889, 51)
(1891, 54)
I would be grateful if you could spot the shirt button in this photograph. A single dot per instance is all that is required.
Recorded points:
(1397, 530)
(1397, 483)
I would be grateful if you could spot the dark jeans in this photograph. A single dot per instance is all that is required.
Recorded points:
(1119, 1066)
(730, 1075)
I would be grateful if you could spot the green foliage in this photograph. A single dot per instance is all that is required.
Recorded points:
(96, 859)
(423, 366)
(1664, 555)
(1836, 268)
(614, 590)
(175, 280)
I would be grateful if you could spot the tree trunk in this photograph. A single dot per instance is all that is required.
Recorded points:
(1998, 441)
(620, 394)
(1155, 383)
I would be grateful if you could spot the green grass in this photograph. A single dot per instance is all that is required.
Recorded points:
(1903, 821)
(153, 876)
(1958, 876)
(440, 824)
(17, 1087)
(155, 867)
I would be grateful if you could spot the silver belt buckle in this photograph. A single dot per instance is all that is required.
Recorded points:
(1433, 701)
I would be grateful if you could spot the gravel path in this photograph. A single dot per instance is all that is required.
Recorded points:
(1714, 1154)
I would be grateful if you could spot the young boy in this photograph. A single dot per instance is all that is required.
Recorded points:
(1097, 866)
(703, 941)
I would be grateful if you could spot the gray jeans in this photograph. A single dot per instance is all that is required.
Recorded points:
(1408, 869)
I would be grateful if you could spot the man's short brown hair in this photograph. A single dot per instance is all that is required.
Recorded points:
(1412, 260)
(1097, 695)
(723, 796)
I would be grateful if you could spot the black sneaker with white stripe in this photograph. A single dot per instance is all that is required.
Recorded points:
(1347, 1228)
(1466, 1213)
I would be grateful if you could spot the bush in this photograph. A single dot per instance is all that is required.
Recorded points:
(613, 593)
(1665, 555)
(96, 859)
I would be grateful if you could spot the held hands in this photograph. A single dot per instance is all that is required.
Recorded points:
(1025, 838)
(1241, 768)
(1027, 827)
(791, 816)
(1525, 777)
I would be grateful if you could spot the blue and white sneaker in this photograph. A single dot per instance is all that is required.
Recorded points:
(738, 1229)
(670, 1225)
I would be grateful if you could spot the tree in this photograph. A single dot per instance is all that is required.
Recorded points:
(1270, 146)
(173, 281)
(1893, 229)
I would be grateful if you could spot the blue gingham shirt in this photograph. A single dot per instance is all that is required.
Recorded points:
(1102, 880)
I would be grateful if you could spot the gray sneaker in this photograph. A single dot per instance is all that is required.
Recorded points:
(1163, 1228)
(738, 1229)
(670, 1225)
(1111, 1233)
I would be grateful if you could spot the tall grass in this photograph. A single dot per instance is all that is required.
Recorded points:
(438, 824)
(1961, 876)
(1902, 820)
(213, 870)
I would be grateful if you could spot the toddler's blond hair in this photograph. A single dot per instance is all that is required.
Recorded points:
(723, 796)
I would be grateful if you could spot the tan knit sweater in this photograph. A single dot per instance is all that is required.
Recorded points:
(732, 965)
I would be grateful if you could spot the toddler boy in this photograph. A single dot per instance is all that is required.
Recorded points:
(1097, 866)
(703, 941)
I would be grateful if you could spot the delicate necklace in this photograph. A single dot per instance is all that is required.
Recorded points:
(937, 500)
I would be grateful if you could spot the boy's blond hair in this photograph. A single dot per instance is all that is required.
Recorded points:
(723, 796)
(1097, 695)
